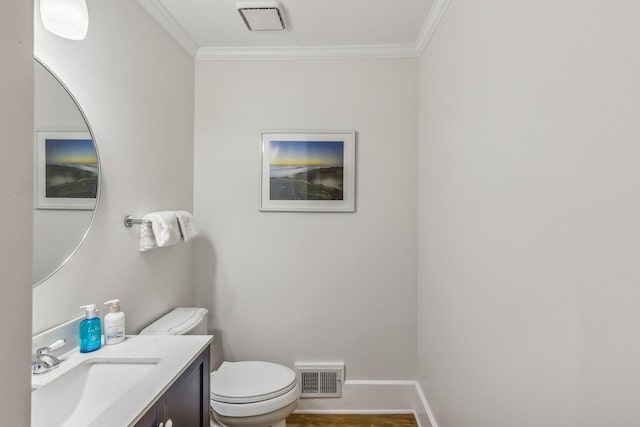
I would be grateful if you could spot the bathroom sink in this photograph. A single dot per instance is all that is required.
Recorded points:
(80, 395)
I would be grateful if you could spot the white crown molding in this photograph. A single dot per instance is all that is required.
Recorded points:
(166, 21)
(430, 25)
(310, 52)
(171, 26)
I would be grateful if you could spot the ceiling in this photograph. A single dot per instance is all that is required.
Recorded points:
(214, 28)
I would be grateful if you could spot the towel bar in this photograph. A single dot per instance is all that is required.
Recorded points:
(128, 221)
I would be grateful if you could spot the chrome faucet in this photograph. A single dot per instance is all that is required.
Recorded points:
(42, 361)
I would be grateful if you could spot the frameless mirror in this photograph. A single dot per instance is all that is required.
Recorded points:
(66, 175)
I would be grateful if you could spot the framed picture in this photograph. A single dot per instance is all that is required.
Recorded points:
(66, 170)
(308, 171)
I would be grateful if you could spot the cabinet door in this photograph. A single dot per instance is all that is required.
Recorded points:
(186, 402)
(149, 419)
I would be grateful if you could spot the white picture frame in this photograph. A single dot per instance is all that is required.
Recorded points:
(76, 165)
(308, 171)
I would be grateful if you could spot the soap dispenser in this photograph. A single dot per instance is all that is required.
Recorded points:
(113, 323)
(90, 330)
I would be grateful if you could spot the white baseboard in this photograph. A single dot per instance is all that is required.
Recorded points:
(423, 413)
(374, 397)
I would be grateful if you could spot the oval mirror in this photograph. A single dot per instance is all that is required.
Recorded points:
(66, 175)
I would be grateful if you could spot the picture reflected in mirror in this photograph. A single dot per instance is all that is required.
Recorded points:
(66, 175)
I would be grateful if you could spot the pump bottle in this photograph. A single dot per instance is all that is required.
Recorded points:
(90, 330)
(113, 323)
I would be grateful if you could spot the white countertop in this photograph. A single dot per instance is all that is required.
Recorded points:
(173, 353)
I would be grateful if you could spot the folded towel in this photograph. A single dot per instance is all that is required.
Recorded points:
(188, 226)
(165, 227)
(147, 239)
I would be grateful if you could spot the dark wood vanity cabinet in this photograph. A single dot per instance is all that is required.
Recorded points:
(186, 402)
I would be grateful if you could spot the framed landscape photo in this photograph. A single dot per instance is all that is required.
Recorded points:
(66, 170)
(308, 171)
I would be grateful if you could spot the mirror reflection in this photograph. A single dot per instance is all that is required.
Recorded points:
(66, 175)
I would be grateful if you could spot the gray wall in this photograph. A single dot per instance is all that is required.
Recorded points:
(135, 85)
(16, 193)
(309, 286)
(528, 215)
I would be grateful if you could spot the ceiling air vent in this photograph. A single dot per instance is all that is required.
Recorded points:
(320, 379)
(262, 16)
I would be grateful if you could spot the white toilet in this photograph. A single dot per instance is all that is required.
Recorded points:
(243, 394)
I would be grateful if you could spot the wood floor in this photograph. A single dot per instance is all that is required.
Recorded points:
(342, 420)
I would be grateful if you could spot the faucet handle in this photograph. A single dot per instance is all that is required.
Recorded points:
(43, 362)
(57, 344)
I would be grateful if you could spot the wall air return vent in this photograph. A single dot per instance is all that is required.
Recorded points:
(262, 16)
(320, 379)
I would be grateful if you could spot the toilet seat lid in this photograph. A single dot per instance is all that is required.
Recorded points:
(180, 321)
(248, 382)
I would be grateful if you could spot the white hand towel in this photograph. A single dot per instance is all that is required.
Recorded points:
(165, 227)
(187, 224)
(147, 239)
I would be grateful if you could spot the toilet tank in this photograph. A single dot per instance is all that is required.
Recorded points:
(180, 321)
